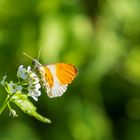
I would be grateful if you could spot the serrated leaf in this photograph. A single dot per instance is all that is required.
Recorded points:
(27, 107)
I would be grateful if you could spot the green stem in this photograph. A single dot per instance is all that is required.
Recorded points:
(4, 104)
(9, 106)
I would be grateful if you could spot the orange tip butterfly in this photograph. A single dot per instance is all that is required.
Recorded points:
(55, 77)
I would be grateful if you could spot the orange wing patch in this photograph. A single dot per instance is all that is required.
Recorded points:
(65, 72)
(47, 75)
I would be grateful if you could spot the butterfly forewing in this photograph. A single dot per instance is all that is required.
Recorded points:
(65, 72)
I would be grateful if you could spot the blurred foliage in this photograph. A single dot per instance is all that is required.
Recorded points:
(102, 39)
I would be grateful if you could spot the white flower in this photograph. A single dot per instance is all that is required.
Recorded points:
(19, 88)
(13, 88)
(34, 91)
(37, 86)
(34, 94)
(29, 69)
(33, 78)
(22, 72)
(2, 82)
(13, 113)
(27, 74)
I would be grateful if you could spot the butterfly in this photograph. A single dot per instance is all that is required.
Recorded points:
(54, 78)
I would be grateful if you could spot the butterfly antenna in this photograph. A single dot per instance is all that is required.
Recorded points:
(39, 53)
(28, 56)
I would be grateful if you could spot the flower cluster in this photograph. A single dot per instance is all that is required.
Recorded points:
(30, 80)
(18, 92)
(28, 83)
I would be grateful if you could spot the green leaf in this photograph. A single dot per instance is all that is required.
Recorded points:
(27, 107)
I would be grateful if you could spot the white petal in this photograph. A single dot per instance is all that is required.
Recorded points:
(11, 87)
(28, 69)
(37, 86)
(19, 88)
(2, 82)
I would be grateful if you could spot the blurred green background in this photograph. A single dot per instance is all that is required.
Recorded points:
(101, 38)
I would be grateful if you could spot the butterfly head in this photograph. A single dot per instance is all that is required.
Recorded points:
(35, 62)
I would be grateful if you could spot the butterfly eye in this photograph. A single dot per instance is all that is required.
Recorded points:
(33, 62)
